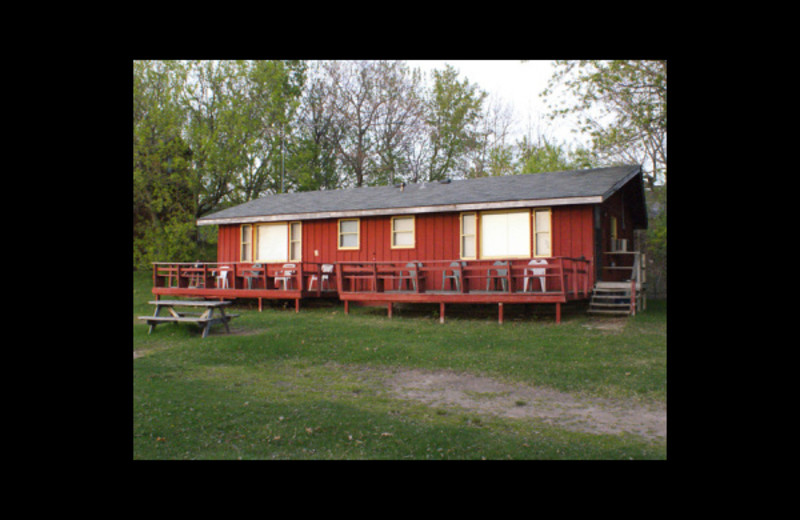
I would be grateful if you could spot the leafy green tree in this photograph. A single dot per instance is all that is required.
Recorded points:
(454, 110)
(622, 105)
(163, 201)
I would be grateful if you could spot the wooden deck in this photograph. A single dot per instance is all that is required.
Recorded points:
(230, 280)
(554, 280)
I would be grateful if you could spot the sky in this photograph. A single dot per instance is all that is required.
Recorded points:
(517, 84)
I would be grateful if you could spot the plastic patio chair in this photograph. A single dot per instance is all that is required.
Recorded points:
(411, 275)
(252, 276)
(222, 277)
(537, 271)
(456, 276)
(499, 274)
(326, 269)
(285, 275)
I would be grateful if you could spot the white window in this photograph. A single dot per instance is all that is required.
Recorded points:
(541, 232)
(247, 237)
(403, 232)
(506, 234)
(272, 242)
(348, 233)
(468, 233)
(295, 241)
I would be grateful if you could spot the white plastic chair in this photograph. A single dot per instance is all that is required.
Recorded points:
(326, 269)
(538, 271)
(285, 276)
(222, 277)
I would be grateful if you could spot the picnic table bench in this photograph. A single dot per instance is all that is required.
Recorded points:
(204, 319)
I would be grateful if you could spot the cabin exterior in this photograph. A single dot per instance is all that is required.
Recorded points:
(539, 238)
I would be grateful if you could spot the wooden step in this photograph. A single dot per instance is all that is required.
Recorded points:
(598, 311)
(621, 305)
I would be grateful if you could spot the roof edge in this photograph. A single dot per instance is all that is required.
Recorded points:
(635, 170)
(409, 210)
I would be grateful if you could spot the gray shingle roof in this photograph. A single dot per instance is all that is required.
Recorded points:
(599, 182)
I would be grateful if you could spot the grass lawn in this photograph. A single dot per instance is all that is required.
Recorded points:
(319, 384)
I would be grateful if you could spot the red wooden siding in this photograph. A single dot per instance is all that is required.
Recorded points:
(228, 242)
(437, 237)
(572, 231)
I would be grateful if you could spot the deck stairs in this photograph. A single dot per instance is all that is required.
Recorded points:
(615, 298)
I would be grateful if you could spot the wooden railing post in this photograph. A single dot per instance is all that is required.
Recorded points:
(339, 281)
(575, 278)
(299, 276)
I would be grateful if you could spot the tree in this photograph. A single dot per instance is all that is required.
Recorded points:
(542, 156)
(454, 110)
(493, 156)
(399, 126)
(314, 147)
(238, 116)
(163, 201)
(357, 105)
(622, 105)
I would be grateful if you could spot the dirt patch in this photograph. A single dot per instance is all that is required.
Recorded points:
(487, 396)
(607, 324)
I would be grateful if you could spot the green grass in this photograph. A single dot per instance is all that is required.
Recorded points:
(312, 385)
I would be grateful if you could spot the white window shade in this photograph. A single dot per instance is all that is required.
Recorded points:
(273, 243)
(505, 234)
(542, 232)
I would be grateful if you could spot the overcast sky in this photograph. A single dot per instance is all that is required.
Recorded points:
(516, 83)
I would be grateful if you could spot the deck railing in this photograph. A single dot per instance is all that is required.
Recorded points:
(279, 276)
(556, 275)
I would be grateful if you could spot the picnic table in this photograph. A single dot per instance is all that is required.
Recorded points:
(204, 319)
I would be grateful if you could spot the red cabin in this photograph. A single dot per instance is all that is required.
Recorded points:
(538, 238)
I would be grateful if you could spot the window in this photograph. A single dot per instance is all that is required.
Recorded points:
(272, 242)
(541, 232)
(348, 233)
(403, 232)
(468, 231)
(506, 234)
(247, 236)
(295, 241)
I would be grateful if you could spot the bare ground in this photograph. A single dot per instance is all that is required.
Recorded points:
(487, 396)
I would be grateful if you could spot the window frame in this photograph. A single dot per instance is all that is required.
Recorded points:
(480, 253)
(413, 232)
(299, 241)
(339, 245)
(534, 244)
(255, 243)
(246, 245)
(461, 235)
